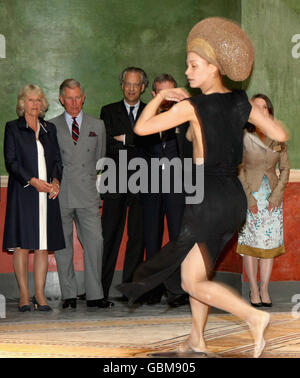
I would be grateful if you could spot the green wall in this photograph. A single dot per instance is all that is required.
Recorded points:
(48, 41)
(93, 40)
(271, 25)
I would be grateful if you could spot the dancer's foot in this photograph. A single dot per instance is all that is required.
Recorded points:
(186, 347)
(258, 324)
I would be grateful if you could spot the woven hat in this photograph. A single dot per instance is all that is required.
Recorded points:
(223, 43)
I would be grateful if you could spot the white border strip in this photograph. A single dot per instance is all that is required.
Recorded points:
(294, 175)
(3, 181)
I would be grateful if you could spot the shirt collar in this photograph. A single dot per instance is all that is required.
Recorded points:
(69, 118)
(136, 106)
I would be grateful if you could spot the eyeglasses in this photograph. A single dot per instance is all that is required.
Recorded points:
(130, 85)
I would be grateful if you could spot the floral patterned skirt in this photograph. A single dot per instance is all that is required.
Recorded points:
(262, 234)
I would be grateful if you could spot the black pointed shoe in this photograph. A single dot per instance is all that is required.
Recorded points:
(70, 302)
(24, 308)
(39, 307)
(267, 304)
(254, 304)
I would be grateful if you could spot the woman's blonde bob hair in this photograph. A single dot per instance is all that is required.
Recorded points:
(24, 92)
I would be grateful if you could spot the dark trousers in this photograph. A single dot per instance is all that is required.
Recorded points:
(155, 207)
(113, 223)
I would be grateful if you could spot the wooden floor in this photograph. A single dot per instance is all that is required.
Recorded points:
(122, 334)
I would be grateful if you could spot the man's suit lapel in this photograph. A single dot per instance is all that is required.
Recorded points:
(83, 134)
(123, 116)
(140, 109)
(67, 137)
(65, 134)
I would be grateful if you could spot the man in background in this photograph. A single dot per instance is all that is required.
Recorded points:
(156, 206)
(119, 119)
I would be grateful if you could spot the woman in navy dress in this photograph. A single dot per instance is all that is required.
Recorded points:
(32, 221)
(217, 117)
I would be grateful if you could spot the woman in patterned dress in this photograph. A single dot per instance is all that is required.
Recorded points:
(261, 238)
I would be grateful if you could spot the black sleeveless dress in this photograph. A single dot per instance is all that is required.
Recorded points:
(213, 222)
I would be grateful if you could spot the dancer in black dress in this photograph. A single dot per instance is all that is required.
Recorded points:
(217, 117)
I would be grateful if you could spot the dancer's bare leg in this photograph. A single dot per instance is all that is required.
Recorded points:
(199, 310)
(265, 266)
(251, 264)
(218, 295)
(195, 341)
(40, 274)
(21, 271)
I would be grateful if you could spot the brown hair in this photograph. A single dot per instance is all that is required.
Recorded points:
(162, 79)
(250, 127)
(267, 101)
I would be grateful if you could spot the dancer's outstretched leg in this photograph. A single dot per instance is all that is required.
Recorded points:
(193, 272)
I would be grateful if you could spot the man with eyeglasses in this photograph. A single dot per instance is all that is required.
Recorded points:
(119, 119)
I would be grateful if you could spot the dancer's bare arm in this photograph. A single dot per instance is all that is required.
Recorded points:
(271, 127)
(150, 122)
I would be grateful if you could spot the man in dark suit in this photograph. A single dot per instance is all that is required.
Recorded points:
(119, 119)
(168, 144)
(82, 142)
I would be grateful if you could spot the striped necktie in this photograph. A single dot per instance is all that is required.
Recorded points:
(75, 131)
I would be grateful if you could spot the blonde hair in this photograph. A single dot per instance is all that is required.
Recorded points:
(20, 109)
(204, 50)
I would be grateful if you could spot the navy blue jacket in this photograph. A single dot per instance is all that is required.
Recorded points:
(22, 212)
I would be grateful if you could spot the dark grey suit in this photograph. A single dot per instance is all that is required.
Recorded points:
(79, 202)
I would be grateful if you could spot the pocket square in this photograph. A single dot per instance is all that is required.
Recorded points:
(92, 134)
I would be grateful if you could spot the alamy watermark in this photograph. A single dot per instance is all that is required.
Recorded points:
(186, 177)
(2, 306)
(2, 46)
(296, 49)
(296, 307)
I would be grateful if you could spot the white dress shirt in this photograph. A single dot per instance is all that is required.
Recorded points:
(69, 120)
(134, 112)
